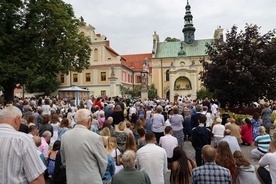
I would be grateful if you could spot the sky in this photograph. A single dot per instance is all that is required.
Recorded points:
(130, 24)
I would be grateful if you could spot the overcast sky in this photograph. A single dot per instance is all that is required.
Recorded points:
(130, 24)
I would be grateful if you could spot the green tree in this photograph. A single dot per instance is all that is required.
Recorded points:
(169, 39)
(123, 90)
(152, 92)
(38, 84)
(137, 90)
(203, 93)
(38, 40)
(242, 68)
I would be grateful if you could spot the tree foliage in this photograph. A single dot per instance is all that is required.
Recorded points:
(136, 92)
(152, 92)
(38, 40)
(39, 83)
(203, 93)
(242, 68)
(169, 39)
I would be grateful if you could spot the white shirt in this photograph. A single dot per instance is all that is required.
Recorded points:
(19, 160)
(132, 110)
(118, 168)
(214, 108)
(148, 113)
(232, 142)
(218, 130)
(157, 122)
(89, 104)
(176, 121)
(168, 142)
(269, 159)
(55, 133)
(209, 120)
(153, 160)
(46, 109)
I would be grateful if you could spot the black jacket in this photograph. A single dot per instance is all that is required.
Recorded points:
(118, 117)
(200, 136)
(194, 119)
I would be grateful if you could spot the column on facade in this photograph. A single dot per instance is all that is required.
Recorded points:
(194, 85)
(171, 86)
(160, 82)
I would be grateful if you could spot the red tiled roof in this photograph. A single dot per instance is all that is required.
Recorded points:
(136, 61)
(137, 57)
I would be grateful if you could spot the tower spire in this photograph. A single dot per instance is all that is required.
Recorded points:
(189, 29)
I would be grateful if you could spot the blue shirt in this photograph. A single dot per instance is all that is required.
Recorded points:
(110, 169)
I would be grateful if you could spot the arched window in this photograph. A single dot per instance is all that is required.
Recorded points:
(96, 54)
(167, 75)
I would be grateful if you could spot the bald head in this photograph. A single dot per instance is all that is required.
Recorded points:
(208, 153)
(11, 115)
(37, 140)
(83, 117)
(227, 132)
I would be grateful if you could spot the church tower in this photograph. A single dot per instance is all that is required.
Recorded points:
(189, 29)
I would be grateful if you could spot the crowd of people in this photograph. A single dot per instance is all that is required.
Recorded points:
(115, 140)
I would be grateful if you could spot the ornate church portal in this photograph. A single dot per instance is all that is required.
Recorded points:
(183, 79)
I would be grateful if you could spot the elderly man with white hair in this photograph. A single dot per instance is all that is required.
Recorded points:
(130, 174)
(82, 152)
(19, 160)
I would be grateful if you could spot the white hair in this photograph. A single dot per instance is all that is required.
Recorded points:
(82, 115)
(47, 133)
(159, 109)
(10, 112)
(129, 159)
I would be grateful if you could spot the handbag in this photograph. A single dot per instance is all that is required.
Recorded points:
(116, 158)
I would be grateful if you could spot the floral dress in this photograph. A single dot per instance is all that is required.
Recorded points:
(121, 141)
(266, 116)
(255, 126)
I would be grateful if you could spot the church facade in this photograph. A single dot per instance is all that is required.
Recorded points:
(173, 67)
(176, 65)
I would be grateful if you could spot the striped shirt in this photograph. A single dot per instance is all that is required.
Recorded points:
(18, 157)
(263, 142)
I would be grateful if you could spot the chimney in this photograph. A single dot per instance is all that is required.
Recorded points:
(107, 43)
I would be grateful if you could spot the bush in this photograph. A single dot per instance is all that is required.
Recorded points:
(203, 93)
(241, 117)
(245, 110)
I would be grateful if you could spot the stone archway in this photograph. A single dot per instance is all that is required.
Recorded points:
(182, 83)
